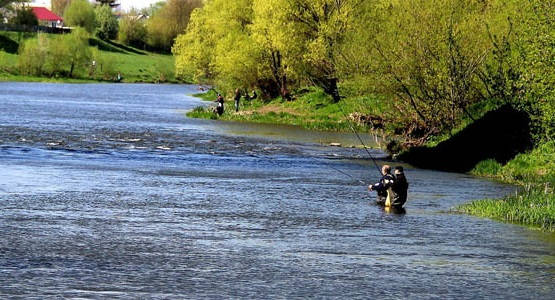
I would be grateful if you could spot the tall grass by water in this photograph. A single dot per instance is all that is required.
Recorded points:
(534, 203)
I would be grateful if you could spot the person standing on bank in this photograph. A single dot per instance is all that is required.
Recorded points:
(383, 187)
(237, 98)
(220, 107)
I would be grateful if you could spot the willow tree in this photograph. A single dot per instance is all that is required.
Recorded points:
(218, 47)
(317, 33)
(429, 54)
(170, 21)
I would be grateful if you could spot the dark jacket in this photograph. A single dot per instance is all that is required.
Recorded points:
(399, 190)
(381, 188)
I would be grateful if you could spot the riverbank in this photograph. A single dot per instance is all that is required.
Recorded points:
(110, 59)
(311, 109)
(500, 133)
(534, 204)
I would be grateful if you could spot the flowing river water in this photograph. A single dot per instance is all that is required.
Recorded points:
(109, 191)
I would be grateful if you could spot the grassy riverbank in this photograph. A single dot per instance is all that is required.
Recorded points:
(534, 203)
(133, 64)
(311, 109)
(534, 171)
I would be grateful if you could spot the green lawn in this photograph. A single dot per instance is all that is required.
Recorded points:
(133, 64)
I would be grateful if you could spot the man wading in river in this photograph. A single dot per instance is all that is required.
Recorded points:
(383, 187)
(391, 190)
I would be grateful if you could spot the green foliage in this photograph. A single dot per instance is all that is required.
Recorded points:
(32, 56)
(132, 31)
(24, 16)
(434, 60)
(56, 55)
(488, 167)
(107, 23)
(80, 13)
(59, 6)
(169, 21)
(537, 47)
(533, 205)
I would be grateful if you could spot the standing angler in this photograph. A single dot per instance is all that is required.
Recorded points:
(237, 98)
(383, 187)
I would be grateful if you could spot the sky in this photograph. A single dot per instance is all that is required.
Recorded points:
(128, 4)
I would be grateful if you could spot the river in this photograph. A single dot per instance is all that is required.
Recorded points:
(109, 191)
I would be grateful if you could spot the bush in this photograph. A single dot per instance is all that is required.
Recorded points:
(80, 13)
(132, 31)
(25, 16)
(107, 23)
(32, 56)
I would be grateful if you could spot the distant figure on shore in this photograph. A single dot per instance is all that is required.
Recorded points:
(237, 98)
(220, 106)
(383, 187)
(254, 95)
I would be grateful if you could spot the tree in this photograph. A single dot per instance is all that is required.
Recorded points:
(318, 29)
(25, 16)
(217, 45)
(77, 47)
(132, 30)
(80, 13)
(110, 3)
(170, 21)
(152, 8)
(59, 6)
(107, 23)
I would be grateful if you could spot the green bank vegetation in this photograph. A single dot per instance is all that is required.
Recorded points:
(69, 58)
(534, 203)
(144, 38)
(422, 70)
(311, 109)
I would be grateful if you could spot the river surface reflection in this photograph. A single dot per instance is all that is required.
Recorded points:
(108, 191)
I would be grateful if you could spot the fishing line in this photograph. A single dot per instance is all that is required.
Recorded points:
(359, 138)
(345, 173)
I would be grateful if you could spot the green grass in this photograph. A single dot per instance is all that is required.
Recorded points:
(312, 109)
(135, 65)
(534, 204)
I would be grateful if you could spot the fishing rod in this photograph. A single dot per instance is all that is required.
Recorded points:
(359, 138)
(345, 173)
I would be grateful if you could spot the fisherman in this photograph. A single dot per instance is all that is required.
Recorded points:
(383, 187)
(220, 107)
(254, 95)
(237, 98)
(399, 188)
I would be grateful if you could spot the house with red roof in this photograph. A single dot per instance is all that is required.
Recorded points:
(47, 18)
